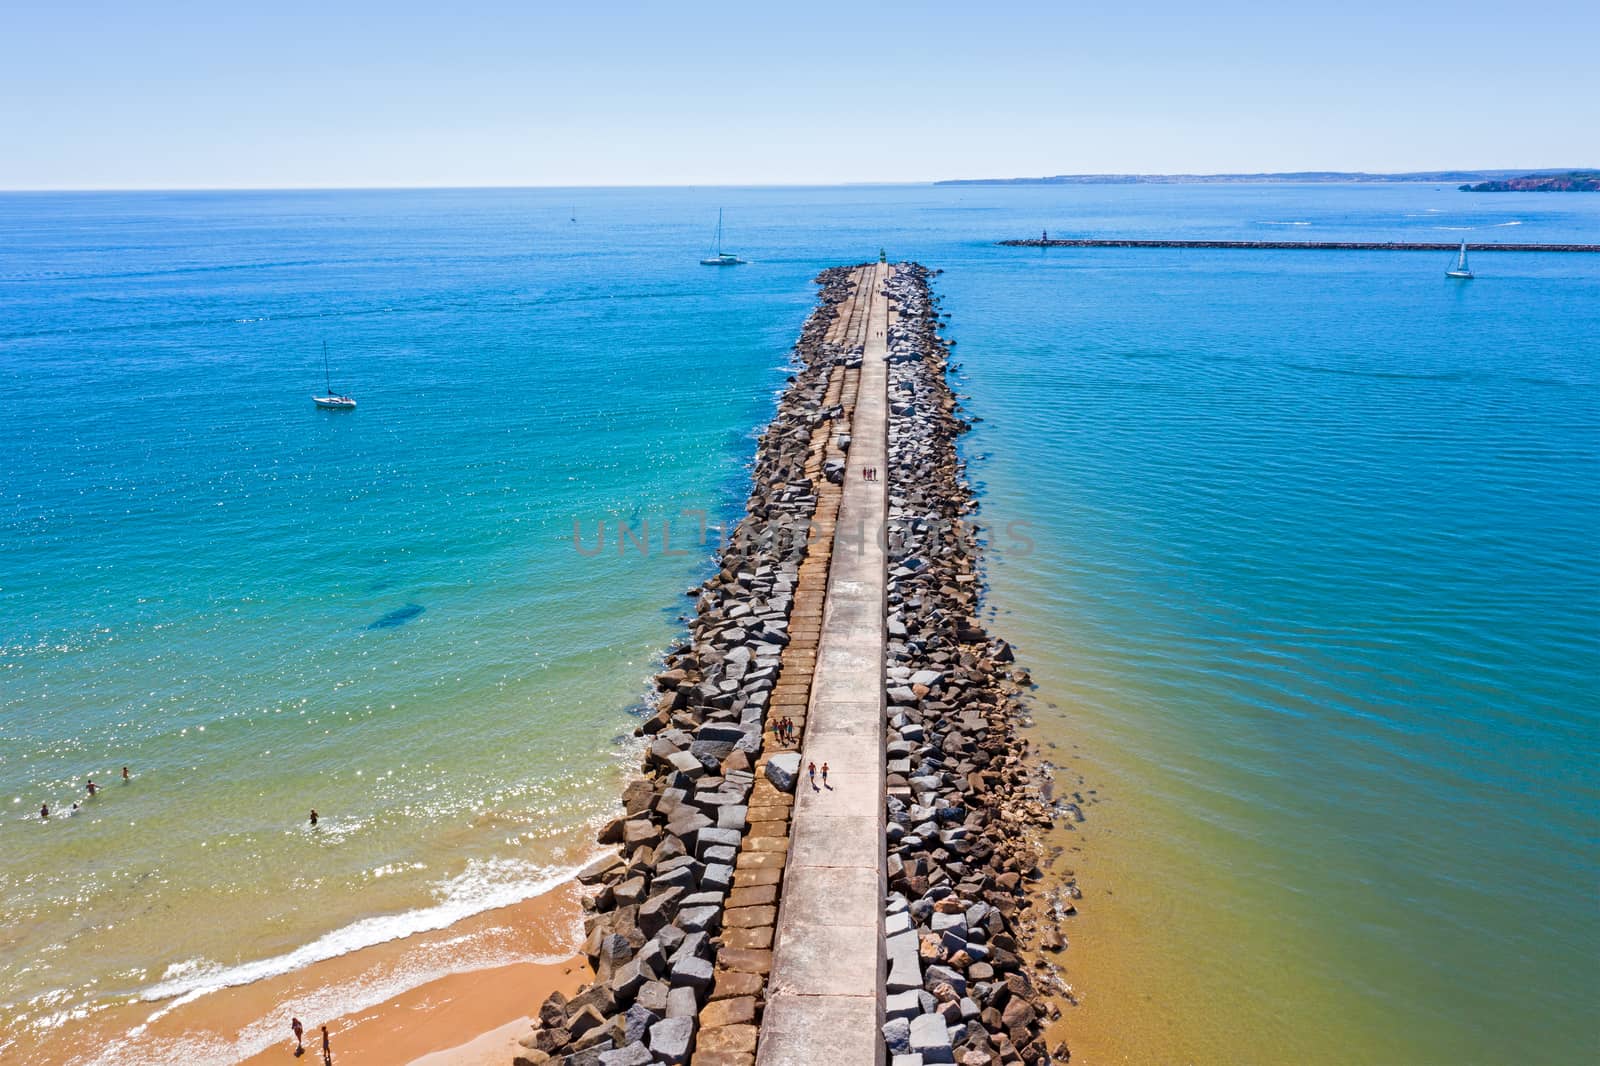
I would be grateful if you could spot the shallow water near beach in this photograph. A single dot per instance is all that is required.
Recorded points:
(1297, 545)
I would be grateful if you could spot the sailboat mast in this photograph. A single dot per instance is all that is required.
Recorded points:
(327, 378)
(719, 231)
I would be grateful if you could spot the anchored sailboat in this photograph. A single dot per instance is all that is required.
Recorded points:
(331, 400)
(1461, 269)
(719, 258)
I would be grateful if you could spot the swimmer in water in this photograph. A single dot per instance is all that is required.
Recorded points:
(125, 773)
(93, 788)
(313, 817)
(44, 811)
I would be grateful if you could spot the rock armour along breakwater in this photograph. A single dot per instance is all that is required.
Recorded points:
(1316, 246)
(683, 917)
(963, 806)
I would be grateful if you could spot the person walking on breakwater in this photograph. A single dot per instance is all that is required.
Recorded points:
(299, 1034)
(825, 777)
(327, 1049)
(811, 774)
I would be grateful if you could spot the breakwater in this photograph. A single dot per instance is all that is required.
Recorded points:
(741, 917)
(1315, 246)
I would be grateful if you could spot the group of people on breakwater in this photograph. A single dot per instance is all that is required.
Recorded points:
(90, 787)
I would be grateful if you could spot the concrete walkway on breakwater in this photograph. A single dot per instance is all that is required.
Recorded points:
(1316, 246)
(822, 1002)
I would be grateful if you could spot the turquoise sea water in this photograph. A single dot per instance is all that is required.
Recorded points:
(1311, 583)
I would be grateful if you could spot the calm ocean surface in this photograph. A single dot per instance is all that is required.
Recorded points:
(1311, 588)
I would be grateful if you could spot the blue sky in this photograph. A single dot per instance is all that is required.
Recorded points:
(163, 94)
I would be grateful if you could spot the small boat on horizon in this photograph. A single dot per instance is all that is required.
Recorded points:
(719, 258)
(331, 401)
(1460, 270)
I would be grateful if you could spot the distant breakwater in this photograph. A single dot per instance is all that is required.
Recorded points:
(1313, 246)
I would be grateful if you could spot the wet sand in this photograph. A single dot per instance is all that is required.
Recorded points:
(461, 1020)
(431, 994)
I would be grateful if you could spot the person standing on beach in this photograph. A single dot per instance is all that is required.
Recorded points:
(313, 817)
(299, 1032)
(327, 1050)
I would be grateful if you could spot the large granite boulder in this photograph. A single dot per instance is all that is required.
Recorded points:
(783, 770)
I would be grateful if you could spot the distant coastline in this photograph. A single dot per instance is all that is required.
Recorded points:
(1564, 181)
(1511, 179)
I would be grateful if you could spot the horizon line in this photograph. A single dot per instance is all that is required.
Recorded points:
(1042, 179)
(449, 188)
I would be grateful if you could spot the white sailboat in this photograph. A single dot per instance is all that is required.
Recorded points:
(1461, 270)
(331, 400)
(719, 258)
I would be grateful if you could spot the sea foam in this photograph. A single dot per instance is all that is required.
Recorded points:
(483, 886)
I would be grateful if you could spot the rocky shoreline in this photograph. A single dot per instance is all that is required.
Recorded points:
(963, 810)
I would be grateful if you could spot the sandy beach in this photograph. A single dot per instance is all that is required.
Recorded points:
(456, 995)
(469, 1019)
